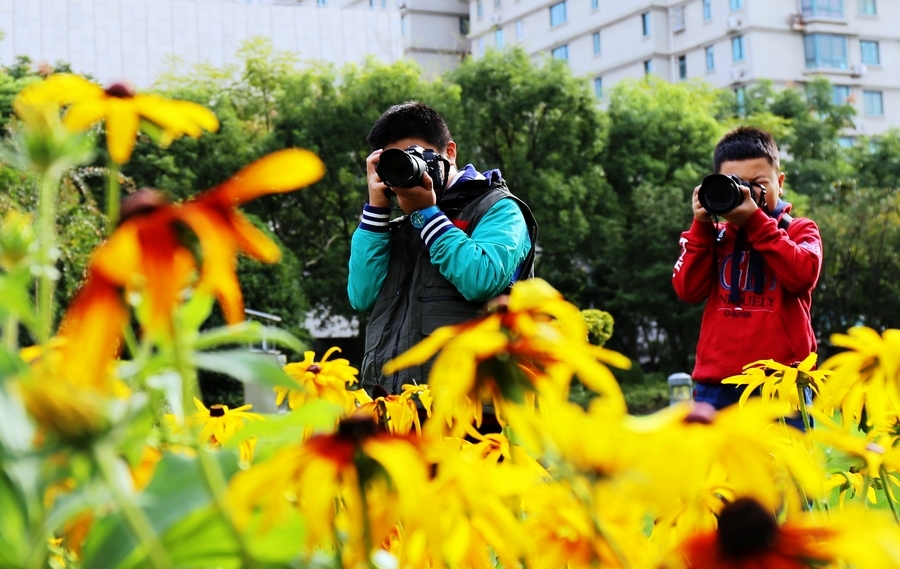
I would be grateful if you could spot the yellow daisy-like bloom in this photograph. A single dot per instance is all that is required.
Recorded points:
(779, 381)
(865, 377)
(120, 107)
(398, 414)
(71, 402)
(535, 342)
(220, 424)
(323, 379)
(313, 475)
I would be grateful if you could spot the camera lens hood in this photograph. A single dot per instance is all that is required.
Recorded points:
(720, 193)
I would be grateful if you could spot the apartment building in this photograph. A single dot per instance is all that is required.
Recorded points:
(729, 43)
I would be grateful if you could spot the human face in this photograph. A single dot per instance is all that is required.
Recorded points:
(760, 171)
(449, 153)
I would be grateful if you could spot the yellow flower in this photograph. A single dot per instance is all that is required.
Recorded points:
(780, 381)
(71, 385)
(312, 475)
(220, 424)
(535, 342)
(120, 106)
(865, 376)
(328, 380)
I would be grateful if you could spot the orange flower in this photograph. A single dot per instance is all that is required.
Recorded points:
(749, 537)
(151, 254)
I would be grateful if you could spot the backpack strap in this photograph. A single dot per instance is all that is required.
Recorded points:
(785, 221)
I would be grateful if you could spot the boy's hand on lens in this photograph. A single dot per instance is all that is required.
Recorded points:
(699, 211)
(418, 197)
(742, 212)
(378, 190)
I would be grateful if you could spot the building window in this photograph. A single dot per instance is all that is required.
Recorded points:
(741, 97)
(595, 4)
(737, 48)
(497, 4)
(825, 50)
(867, 7)
(841, 94)
(373, 3)
(710, 58)
(479, 9)
(561, 52)
(403, 25)
(464, 26)
(645, 23)
(648, 67)
(873, 103)
(736, 5)
(707, 10)
(558, 13)
(823, 8)
(598, 87)
(846, 141)
(596, 38)
(520, 29)
(498, 38)
(870, 55)
(479, 46)
(682, 67)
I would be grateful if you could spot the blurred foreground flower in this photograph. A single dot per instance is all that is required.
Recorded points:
(327, 380)
(347, 466)
(779, 381)
(536, 341)
(120, 106)
(397, 414)
(151, 252)
(220, 424)
(865, 385)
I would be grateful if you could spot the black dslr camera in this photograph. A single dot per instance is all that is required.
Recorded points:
(404, 168)
(721, 193)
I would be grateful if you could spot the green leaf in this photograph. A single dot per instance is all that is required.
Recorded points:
(196, 310)
(15, 300)
(290, 427)
(13, 525)
(176, 491)
(246, 333)
(247, 367)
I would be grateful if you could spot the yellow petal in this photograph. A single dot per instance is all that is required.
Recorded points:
(122, 123)
(83, 115)
(279, 172)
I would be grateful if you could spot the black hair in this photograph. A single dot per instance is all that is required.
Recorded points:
(746, 143)
(411, 119)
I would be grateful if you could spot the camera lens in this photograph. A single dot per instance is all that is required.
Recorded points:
(398, 168)
(719, 194)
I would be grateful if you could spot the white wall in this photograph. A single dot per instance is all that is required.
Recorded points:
(130, 39)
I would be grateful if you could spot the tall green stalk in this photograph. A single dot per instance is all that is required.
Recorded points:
(113, 194)
(47, 254)
(886, 486)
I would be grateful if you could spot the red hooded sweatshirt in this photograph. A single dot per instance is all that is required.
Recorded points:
(767, 315)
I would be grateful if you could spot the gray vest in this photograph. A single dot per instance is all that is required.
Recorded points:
(416, 299)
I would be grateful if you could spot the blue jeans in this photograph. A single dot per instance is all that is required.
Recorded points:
(721, 396)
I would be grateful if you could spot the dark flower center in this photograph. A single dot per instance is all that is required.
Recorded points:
(746, 528)
(357, 429)
(315, 368)
(702, 413)
(145, 200)
(120, 90)
(216, 410)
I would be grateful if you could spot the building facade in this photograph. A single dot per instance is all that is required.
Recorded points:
(728, 43)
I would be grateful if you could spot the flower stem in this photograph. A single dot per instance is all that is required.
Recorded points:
(113, 194)
(47, 279)
(804, 412)
(209, 466)
(885, 483)
(367, 532)
(865, 490)
(11, 334)
(143, 530)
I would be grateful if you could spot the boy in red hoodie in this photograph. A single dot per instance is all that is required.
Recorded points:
(756, 271)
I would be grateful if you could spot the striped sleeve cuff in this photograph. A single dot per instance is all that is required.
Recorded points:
(375, 219)
(436, 226)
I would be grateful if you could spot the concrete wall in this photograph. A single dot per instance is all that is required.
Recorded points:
(130, 39)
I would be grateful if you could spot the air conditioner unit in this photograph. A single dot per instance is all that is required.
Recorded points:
(796, 22)
(858, 69)
(676, 16)
(738, 73)
(496, 18)
(734, 22)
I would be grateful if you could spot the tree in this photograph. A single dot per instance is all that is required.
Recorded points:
(541, 127)
(659, 147)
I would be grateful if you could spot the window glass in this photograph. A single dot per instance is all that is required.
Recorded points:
(825, 51)
(873, 102)
(558, 13)
(870, 55)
